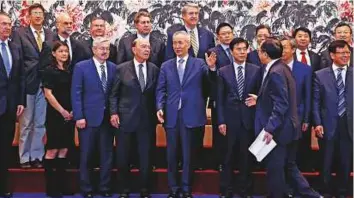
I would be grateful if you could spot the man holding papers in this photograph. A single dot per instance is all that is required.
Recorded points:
(235, 119)
(276, 113)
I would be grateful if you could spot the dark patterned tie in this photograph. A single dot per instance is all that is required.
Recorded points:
(103, 78)
(240, 81)
(141, 77)
(228, 52)
(5, 58)
(341, 92)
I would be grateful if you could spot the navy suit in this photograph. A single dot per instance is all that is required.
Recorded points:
(137, 114)
(90, 102)
(12, 94)
(338, 131)
(239, 119)
(219, 140)
(252, 57)
(206, 41)
(183, 123)
(276, 113)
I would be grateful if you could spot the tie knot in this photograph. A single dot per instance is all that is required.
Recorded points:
(340, 69)
(141, 65)
(102, 66)
(65, 41)
(3, 44)
(180, 61)
(38, 32)
(239, 67)
(302, 53)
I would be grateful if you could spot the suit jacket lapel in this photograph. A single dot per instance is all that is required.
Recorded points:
(98, 79)
(232, 76)
(174, 70)
(149, 74)
(247, 79)
(31, 38)
(2, 67)
(189, 65)
(134, 74)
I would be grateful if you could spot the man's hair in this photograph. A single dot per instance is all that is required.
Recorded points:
(262, 26)
(135, 42)
(290, 39)
(34, 6)
(96, 18)
(182, 32)
(272, 47)
(99, 40)
(237, 41)
(332, 48)
(303, 29)
(141, 14)
(189, 5)
(221, 25)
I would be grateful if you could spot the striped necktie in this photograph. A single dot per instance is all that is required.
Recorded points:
(240, 81)
(341, 92)
(194, 43)
(103, 78)
(5, 58)
(39, 40)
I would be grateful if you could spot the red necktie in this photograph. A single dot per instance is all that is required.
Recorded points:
(303, 57)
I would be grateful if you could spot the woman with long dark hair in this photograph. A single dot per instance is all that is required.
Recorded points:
(59, 125)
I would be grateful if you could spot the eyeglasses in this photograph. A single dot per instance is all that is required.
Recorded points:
(343, 53)
(225, 33)
(37, 13)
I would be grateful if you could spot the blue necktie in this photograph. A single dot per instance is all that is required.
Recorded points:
(180, 70)
(228, 52)
(103, 78)
(341, 93)
(5, 58)
(240, 81)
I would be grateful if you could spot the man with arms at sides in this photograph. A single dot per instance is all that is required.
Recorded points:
(91, 85)
(143, 25)
(181, 107)
(201, 38)
(333, 116)
(262, 33)
(276, 113)
(32, 129)
(302, 54)
(235, 119)
(64, 26)
(343, 31)
(98, 29)
(303, 80)
(132, 108)
(224, 57)
(12, 97)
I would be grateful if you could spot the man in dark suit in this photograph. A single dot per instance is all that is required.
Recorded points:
(333, 116)
(344, 32)
(91, 85)
(132, 106)
(181, 107)
(32, 129)
(98, 29)
(64, 24)
(276, 113)
(201, 38)
(12, 97)
(302, 54)
(224, 57)
(262, 33)
(303, 77)
(235, 119)
(142, 21)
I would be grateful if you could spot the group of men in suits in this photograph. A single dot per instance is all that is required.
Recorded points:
(124, 92)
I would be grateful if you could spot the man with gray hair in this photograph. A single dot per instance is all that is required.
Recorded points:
(91, 84)
(180, 107)
(303, 76)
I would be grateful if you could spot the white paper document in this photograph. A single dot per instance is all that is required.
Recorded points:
(259, 148)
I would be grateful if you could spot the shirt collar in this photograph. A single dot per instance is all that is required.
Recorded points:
(6, 42)
(136, 63)
(147, 37)
(270, 64)
(195, 30)
(34, 30)
(63, 39)
(185, 58)
(299, 52)
(335, 67)
(243, 65)
(291, 64)
(225, 46)
(98, 64)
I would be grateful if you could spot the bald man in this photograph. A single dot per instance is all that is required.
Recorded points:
(134, 89)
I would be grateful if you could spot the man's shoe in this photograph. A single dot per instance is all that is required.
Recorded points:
(25, 165)
(37, 163)
(88, 195)
(105, 194)
(144, 194)
(173, 195)
(6, 195)
(187, 195)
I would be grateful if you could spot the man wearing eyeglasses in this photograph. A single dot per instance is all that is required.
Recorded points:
(262, 33)
(31, 40)
(333, 117)
(344, 32)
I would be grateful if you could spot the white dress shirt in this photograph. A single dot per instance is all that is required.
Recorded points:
(344, 72)
(147, 37)
(184, 62)
(8, 50)
(98, 67)
(136, 66)
(299, 56)
(243, 69)
(69, 45)
(35, 34)
(291, 65)
(267, 68)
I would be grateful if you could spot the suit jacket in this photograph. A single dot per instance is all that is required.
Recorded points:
(231, 108)
(303, 79)
(221, 60)
(31, 56)
(169, 90)
(112, 50)
(12, 88)
(276, 110)
(134, 107)
(206, 41)
(88, 99)
(125, 52)
(325, 101)
(326, 60)
(252, 57)
(315, 60)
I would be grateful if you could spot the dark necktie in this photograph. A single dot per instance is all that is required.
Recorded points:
(228, 52)
(240, 81)
(103, 78)
(341, 93)
(5, 58)
(141, 77)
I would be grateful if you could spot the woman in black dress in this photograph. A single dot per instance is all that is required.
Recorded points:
(59, 124)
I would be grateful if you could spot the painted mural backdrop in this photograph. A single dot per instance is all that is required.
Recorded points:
(283, 16)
